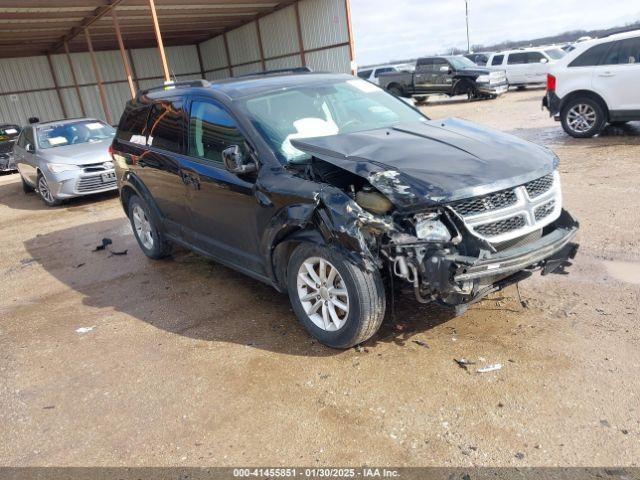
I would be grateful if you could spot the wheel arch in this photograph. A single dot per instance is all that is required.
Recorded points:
(585, 93)
(133, 186)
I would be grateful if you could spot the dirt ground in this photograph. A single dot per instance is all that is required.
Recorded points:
(189, 363)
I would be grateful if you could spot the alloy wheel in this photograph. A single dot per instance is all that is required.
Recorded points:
(581, 118)
(44, 190)
(143, 227)
(323, 294)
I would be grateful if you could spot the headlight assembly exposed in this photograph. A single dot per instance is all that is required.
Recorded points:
(432, 230)
(61, 167)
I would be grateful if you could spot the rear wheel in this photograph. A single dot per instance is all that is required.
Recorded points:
(395, 90)
(45, 192)
(583, 117)
(339, 303)
(150, 239)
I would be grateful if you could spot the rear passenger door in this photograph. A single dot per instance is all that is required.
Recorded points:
(517, 68)
(160, 165)
(538, 65)
(618, 76)
(223, 206)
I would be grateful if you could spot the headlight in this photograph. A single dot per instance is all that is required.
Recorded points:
(61, 167)
(483, 79)
(108, 165)
(432, 231)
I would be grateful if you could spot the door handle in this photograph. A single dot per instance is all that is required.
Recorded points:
(607, 74)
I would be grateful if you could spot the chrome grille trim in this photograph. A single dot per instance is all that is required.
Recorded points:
(493, 201)
(94, 183)
(538, 203)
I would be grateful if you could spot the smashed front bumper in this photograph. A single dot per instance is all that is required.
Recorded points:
(493, 89)
(6, 162)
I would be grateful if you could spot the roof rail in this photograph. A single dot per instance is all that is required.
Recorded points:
(174, 85)
(279, 70)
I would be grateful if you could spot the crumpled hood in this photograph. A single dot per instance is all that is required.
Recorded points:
(80, 154)
(435, 161)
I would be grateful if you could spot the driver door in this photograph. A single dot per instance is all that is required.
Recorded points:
(223, 206)
(25, 160)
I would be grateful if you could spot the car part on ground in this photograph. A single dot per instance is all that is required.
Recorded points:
(280, 178)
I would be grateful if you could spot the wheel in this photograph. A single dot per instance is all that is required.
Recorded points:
(521, 87)
(395, 90)
(466, 87)
(45, 192)
(26, 188)
(152, 242)
(339, 303)
(583, 117)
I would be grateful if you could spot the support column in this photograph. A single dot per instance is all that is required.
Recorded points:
(226, 51)
(75, 79)
(156, 27)
(57, 86)
(350, 31)
(96, 71)
(200, 60)
(123, 53)
(300, 41)
(260, 47)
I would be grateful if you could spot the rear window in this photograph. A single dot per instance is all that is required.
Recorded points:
(133, 124)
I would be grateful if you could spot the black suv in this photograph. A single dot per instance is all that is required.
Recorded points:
(328, 188)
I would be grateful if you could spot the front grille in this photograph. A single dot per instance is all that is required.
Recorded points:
(545, 210)
(500, 227)
(94, 183)
(486, 203)
(539, 186)
(94, 167)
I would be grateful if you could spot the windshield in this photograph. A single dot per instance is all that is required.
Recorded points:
(73, 133)
(555, 53)
(8, 132)
(461, 62)
(322, 110)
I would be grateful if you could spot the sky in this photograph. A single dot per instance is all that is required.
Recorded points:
(387, 30)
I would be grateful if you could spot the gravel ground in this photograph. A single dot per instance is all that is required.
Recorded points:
(186, 362)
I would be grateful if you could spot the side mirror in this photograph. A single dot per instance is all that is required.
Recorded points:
(444, 68)
(30, 148)
(235, 161)
(544, 60)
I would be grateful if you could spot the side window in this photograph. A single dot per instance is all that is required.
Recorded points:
(22, 142)
(517, 58)
(592, 56)
(211, 130)
(166, 125)
(629, 51)
(497, 60)
(534, 57)
(379, 71)
(29, 139)
(132, 127)
(364, 74)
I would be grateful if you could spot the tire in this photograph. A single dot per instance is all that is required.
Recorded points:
(365, 297)
(26, 188)
(395, 90)
(583, 117)
(466, 87)
(45, 192)
(521, 87)
(150, 239)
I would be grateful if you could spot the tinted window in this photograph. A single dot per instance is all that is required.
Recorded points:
(165, 126)
(364, 74)
(22, 139)
(624, 52)
(517, 58)
(534, 57)
(423, 62)
(592, 56)
(211, 130)
(384, 70)
(133, 123)
(29, 139)
(497, 60)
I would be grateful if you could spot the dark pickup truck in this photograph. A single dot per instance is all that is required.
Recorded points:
(452, 75)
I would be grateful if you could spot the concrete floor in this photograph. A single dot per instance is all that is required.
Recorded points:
(189, 363)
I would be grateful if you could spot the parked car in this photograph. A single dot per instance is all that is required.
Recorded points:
(65, 159)
(326, 187)
(479, 58)
(454, 75)
(371, 74)
(8, 135)
(525, 66)
(595, 84)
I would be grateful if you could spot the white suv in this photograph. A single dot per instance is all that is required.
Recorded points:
(525, 66)
(372, 74)
(596, 83)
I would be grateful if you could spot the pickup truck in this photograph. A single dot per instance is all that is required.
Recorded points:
(450, 75)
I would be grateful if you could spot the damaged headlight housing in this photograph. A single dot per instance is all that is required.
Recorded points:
(431, 229)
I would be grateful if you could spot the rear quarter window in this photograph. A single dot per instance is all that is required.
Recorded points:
(133, 124)
(592, 56)
(497, 60)
(166, 126)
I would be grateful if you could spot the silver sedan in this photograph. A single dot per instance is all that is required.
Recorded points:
(65, 159)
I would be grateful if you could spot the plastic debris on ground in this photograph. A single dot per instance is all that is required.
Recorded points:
(82, 330)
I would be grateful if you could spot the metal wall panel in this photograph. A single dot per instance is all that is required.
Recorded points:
(26, 73)
(181, 60)
(292, 61)
(217, 75)
(110, 65)
(330, 60)
(91, 99)
(19, 107)
(243, 44)
(71, 102)
(323, 23)
(279, 33)
(247, 69)
(62, 70)
(83, 67)
(117, 97)
(213, 54)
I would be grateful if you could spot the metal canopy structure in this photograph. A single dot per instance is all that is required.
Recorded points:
(37, 27)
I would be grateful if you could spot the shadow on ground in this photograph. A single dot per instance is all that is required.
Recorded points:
(191, 296)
